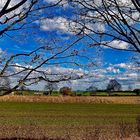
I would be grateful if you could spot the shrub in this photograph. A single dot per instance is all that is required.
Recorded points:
(18, 93)
(65, 91)
(46, 93)
(137, 91)
(79, 94)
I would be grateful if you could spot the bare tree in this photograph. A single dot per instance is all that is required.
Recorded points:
(22, 87)
(12, 13)
(92, 90)
(16, 14)
(109, 23)
(50, 87)
(4, 85)
(113, 86)
(35, 66)
(130, 87)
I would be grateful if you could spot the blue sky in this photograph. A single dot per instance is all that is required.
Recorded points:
(110, 63)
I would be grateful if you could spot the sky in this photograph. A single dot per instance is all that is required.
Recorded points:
(109, 63)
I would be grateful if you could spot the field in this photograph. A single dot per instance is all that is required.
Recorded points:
(72, 121)
(74, 99)
(81, 93)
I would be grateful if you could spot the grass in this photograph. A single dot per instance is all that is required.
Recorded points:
(105, 93)
(81, 93)
(53, 119)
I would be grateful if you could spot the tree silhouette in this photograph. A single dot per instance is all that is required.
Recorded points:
(4, 83)
(113, 85)
(50, 87)
(109, 23)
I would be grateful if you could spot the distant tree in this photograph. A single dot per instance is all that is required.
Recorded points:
(23, 87)
(4, 83)
(50, 87)
(130, 87)
(137, 91)
(113, 86)
(92, 89)
(65, 91)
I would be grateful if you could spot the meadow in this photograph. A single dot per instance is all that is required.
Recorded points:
(79, 93)
(71, 121)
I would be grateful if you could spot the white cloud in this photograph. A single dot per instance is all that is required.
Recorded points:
(57, 23)
(125, 65)
(99, 76)
(63, 2)
(118, 44)
(2, 53)
(128, 66)
(68, 26)
(122, 65)
(55, 1)
(112, 69)
(98, 25)
(51, 1)
(132, 75)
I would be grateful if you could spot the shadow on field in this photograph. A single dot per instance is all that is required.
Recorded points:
(16, 138)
